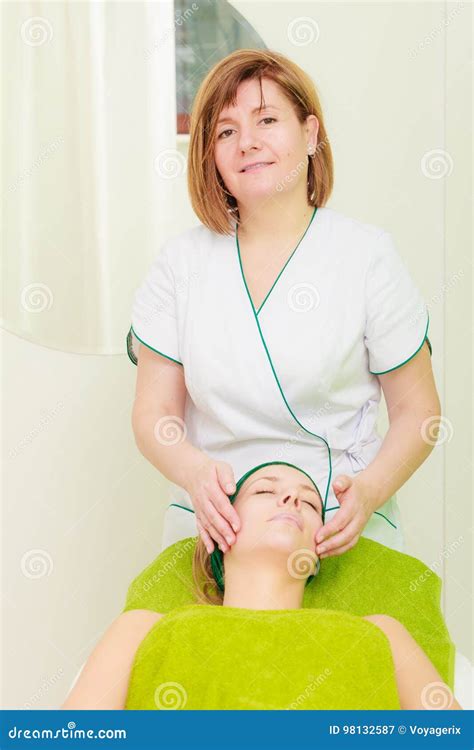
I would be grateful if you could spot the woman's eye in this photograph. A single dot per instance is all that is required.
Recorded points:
(229, 130)
(265, 492)
(312, 505)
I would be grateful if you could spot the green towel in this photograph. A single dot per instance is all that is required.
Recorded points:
(368, 579)
(210, 657)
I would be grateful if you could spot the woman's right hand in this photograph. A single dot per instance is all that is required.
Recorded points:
(209, 488)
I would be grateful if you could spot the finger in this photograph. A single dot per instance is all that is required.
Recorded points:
(207, 501)
(342, 483)
(208, 543)
(208, 527)
(221, 523)
(338, 540)
(224, 505)
(341, 518)
(214, 532)
(225, 477)
(228, 514)
(341, 550)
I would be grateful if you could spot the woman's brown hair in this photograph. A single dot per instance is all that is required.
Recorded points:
(212, 203)
(206, 588)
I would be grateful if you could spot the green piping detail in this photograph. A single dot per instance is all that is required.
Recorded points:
(376, 512)
(278, 382)
(294, 251)
(276, 376)
(382, 372)
(176, 505)
(131, 354)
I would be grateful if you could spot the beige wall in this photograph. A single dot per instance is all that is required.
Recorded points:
(76, 488)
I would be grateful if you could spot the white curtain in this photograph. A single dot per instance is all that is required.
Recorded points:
(89, 115)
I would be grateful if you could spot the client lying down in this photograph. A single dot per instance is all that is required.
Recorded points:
(252, 635)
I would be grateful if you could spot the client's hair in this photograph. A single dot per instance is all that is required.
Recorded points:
(206, 587)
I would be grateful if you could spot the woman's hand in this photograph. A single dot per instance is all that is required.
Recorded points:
(357, 505)
(216, 519)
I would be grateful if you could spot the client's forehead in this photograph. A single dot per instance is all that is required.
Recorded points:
(277, 474)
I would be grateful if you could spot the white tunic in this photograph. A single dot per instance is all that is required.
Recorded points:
(295, 380)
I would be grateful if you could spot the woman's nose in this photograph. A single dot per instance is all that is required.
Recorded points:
(290, 498)
(248, 141)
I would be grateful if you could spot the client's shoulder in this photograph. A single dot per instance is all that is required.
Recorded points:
(392, 627)
(139, 618)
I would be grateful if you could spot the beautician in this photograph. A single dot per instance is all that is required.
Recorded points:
(267, 332)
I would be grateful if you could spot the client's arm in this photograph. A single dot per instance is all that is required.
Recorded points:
(414, 672)
(103, 683)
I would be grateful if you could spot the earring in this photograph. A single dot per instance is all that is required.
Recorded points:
(311, 149)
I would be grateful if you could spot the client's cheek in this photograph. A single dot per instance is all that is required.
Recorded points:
(316, 531)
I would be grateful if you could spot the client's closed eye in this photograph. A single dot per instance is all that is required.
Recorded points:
(312, 505)
(272, 492)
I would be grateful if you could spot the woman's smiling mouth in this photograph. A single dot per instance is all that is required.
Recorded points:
(256, 166)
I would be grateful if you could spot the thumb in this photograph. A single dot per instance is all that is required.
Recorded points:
(225, 476)
(342, 483)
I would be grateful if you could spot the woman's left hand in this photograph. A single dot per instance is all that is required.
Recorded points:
(356, 506)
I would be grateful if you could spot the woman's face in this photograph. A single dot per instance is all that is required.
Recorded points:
(245, 135)
(279, 509)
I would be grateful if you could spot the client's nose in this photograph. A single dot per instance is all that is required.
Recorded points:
(291, 498)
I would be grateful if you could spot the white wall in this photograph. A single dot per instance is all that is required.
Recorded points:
(77, 489)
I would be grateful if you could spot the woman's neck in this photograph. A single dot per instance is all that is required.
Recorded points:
(275, 219)
(265, 587)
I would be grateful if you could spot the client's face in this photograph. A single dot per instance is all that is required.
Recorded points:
(279, 509)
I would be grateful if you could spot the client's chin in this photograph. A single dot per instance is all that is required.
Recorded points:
(282, 537)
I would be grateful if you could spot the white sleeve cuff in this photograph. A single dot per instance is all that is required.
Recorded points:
(397, 319)
(154, 320)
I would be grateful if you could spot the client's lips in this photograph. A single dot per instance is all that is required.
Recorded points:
(290, 516)
(256, 165)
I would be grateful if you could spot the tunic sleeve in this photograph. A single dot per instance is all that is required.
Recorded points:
(154, 320)
(397, 318)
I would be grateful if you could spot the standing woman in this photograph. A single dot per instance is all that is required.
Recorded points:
(267, 332)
